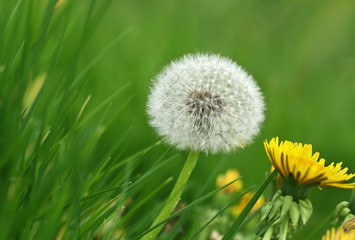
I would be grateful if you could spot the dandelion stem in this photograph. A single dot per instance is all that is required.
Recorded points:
(174, 195)
(352, 201)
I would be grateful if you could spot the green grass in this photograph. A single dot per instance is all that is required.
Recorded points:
(77, 157)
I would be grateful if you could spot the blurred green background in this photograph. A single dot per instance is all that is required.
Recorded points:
(301, 54)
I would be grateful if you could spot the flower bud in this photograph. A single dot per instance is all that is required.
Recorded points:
(294, 213)
(306, 210)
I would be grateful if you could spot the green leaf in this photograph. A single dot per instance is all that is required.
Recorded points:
(286, 205)
(294, 213)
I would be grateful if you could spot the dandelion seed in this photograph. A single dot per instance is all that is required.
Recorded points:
(205, 103)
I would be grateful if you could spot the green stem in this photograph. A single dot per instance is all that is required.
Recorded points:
(174, 195)
(352, 202)
(297, 191)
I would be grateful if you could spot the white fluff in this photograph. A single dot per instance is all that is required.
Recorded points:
(205, 103)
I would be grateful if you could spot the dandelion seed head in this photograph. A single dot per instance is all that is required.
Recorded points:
(205, 103)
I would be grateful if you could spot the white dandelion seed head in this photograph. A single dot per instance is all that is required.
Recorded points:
(205, 103)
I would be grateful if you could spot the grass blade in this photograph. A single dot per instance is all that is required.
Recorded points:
(185, 209)
(236, 225)
(220, 212)
(97, 58)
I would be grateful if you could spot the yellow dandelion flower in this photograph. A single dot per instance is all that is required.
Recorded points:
(349, 225)
(229, 176)
(296, 163)
(340, 234)
(245, 200)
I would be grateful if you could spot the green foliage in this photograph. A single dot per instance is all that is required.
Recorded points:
(238, 222)
(77, 158)
(54, 183)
